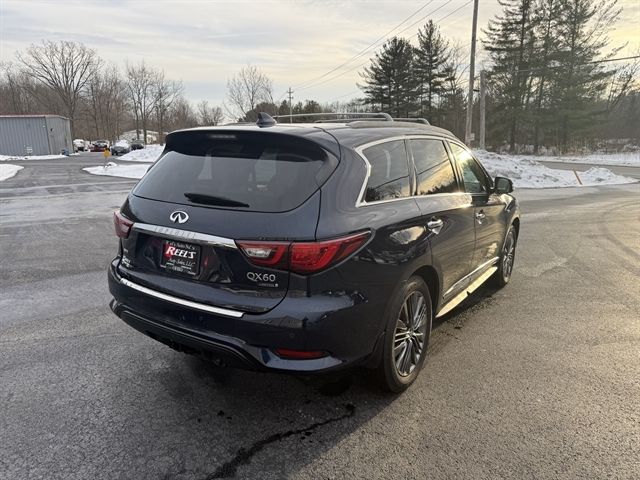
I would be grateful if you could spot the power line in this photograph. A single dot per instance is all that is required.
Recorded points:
(366, 48)
(353, 92)
(606, 60)
(427, 15)
(454, 11)
(316, 84)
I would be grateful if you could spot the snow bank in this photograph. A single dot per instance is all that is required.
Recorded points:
(627, 158)
(112, 169)
(6, 158)
(148, 154)
(527, 173)
(8, 171)
(523, 170)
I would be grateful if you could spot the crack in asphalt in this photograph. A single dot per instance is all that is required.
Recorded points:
(244, 455)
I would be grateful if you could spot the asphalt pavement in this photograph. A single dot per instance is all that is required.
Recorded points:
(538, 380)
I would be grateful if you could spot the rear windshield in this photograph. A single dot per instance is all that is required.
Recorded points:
(243, 171)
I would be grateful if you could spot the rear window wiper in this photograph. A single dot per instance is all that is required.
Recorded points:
(205, 199)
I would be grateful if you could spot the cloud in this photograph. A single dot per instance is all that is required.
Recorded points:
(205, 43)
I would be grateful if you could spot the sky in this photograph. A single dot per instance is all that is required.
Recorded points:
(206, 42)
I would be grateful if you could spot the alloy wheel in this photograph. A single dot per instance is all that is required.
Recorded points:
(508, 255)
(410, 333)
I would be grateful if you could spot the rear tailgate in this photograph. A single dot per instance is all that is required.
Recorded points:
(240, 186)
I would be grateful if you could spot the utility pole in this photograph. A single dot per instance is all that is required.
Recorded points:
(483, 92)
(290, 92)
(472, 64)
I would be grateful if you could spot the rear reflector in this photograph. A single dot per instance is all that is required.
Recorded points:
(122, 224)
(302, 257)
(300, 354)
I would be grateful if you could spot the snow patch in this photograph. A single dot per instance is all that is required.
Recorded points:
(624, 159)
(7, 158)
(8, 171)
(528, 173)
(523, 170)
(148, 154)
(112, 169)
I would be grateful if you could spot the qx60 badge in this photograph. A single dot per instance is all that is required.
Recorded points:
(179, 216)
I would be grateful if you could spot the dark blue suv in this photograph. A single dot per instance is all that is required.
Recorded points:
(310, 247)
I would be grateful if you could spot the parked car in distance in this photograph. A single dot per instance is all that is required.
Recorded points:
(79, 145)
(120, 148)
(137, 145)
(310, 248)
(100, 146)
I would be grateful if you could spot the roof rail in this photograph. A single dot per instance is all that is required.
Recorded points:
(361, 115)
(415, 120)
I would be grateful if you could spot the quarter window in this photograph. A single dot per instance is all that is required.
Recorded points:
(389, 177)
(433, 168)
(474, 178)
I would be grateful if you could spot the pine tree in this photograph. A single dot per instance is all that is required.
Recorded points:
(510, 42)
(432, 56)
(546, 19)
(582, 33)
(452, 103)
(389, 82)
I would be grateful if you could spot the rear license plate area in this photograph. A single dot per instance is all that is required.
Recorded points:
(180, 258)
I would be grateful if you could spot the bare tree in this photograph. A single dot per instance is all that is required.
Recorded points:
(106, 103)
(181, 115)
(65, 67)
(167, 93)
(16, 98)
(209, 115)
(622, 82)
(452, 99)
(142, 82)
(246, 90)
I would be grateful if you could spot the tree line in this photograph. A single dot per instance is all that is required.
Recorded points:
(101, 100)
(550, 82)
(425, 80)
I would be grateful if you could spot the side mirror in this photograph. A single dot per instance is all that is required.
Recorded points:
(503, 185)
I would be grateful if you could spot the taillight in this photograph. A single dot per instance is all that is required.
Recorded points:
(303, 257)
(122, 224)
(310, 257)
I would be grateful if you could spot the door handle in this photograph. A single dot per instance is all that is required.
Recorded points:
(435, 225)
(480, 216)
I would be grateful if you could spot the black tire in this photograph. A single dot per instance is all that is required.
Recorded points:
(507, 259)
(395, 371)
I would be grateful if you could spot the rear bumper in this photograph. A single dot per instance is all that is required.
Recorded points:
(348, 327)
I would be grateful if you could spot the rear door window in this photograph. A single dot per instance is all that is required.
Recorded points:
(389, 176)
(245, 171)
(434, 171)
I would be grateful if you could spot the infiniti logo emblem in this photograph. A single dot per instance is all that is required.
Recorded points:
(179, 216)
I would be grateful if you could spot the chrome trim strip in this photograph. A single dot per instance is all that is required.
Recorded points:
(175, 233)
(476, 270)
(180, 301)
(360, 151)
(455, 301)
